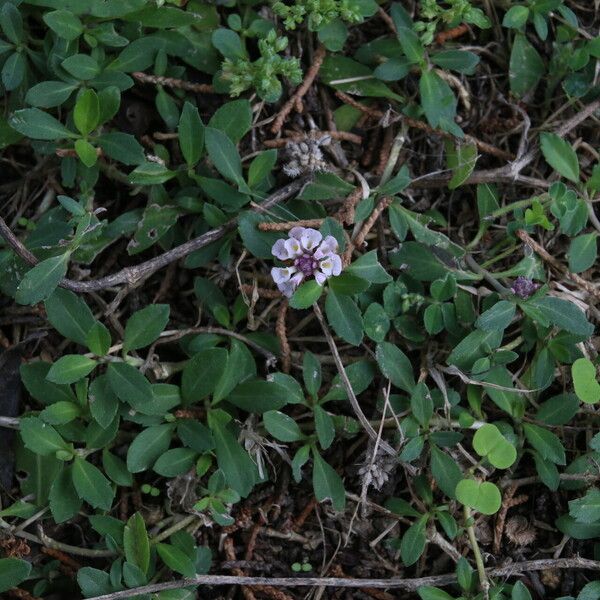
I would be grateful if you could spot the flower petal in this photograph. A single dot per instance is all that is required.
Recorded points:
(293, 247)
(281, 275)
(328, 246)
(296, 232)
(287, 288)
(320, 277)
(279, 250)
(310, 239)
(337, 264)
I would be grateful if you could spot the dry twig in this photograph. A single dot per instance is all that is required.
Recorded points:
(172, 82)
(399, 583)
(296, 100)
(281, 330)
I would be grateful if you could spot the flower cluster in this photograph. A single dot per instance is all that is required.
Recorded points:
(306, 156)
(308, 255)
(524, 287)
(263, 73)
(318, 12)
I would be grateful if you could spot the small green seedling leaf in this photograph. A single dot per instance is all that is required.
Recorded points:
(489, 442)
(587, 387)
(482, 496)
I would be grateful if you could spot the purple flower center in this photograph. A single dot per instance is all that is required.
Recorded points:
(524, 287)
(306, 264)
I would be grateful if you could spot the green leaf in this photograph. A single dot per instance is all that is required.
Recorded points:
(324, 427)
(587, 508)
(461, 159)
(224, 155)
(150, 173)
(103, 402)
(87, 112)
(437, 99)
(507, 400)
(33, 375)
(579, 531)
(560, 155)
(311, 373)
(376, 322)
(144, 326)
(116, 469)
(333, 35)
(462, 61)
(70, 368)
(368, 267)
(336, 68)
(202, 373)
(12, 570)
(98, 339)
(91, 485)
(81, 66)
(546, 443)
(261, 166)
(306, 295)
(190, 134)
(498, 317)
(13, 71)
(526, 66)
(413, 542)
(421, 404)
(148, 446)
(38, 125)
(563, 314)
(64, 23)
(40, 437)
(432, 593)
(94, 582)
(327, 484)
(136, 543)
(121, 147)
(86, 152)
(42, 280)
(586, 385)
(129, 385)
(520, 592)
(234, 119)
(583, 251)
(396, 366)
(326, 186)
(238, 468)
(176, 560)
(445, 471)
(282, 427)
(547, 471)
(228, 43)
(344, 317)
(515, 17)
(64, 500)
(559, 410)
(258, 396)
(411, 45)
(490, 443)
(69, 314)
(60, 413)
(482, 496)
(175, 462)
(11, 22)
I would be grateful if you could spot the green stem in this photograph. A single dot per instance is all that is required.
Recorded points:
(483, 580)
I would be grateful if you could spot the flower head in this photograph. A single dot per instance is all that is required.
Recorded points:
(306, 255)
(523, 287)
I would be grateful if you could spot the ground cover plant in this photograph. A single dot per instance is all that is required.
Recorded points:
(299, 299)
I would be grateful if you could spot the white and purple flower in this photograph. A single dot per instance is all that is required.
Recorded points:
(308, 255)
